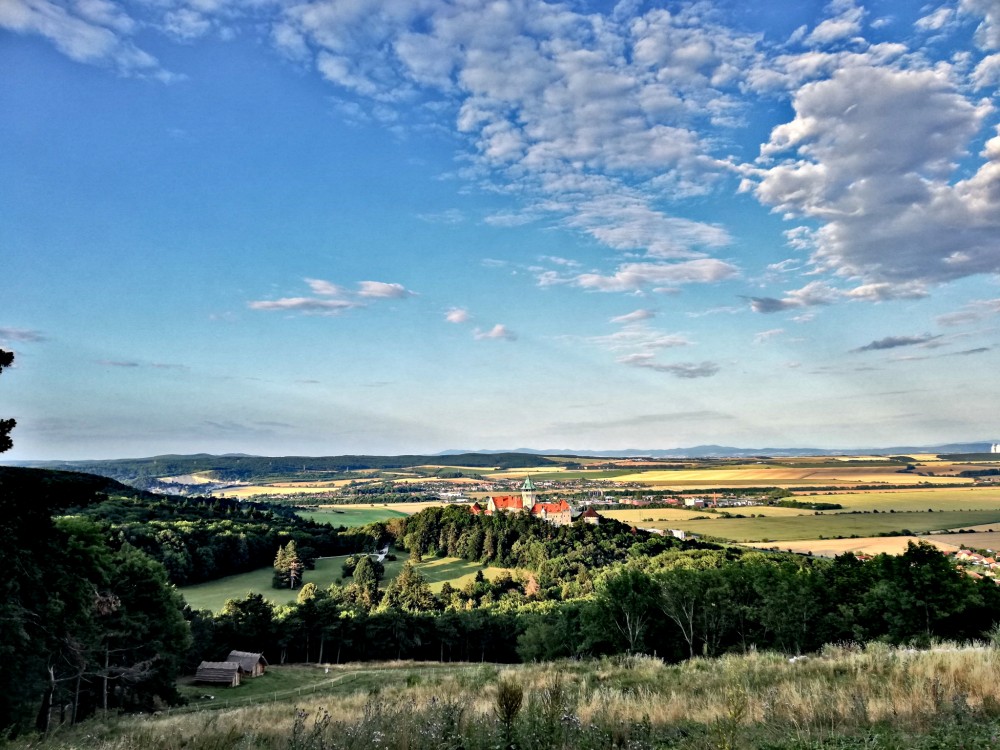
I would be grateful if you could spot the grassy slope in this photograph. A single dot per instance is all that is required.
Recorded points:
(834, 524)
(348, 516)
(845, 699)
(213, 594)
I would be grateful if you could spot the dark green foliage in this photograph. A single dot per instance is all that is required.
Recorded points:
(288, 567)
(85, 620)
(200, 539)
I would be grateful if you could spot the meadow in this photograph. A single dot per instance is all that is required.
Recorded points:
(845, 698)
(213, 595)
(351, 515)
(833, 524)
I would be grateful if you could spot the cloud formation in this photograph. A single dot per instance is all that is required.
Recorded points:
(685, 370)
(893, 342)
(457, 315)
(498, 332)
(333, 299)
(21, 335)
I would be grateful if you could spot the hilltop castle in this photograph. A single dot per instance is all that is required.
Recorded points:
(558, 514)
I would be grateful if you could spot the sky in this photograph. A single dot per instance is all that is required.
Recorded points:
(317, 227)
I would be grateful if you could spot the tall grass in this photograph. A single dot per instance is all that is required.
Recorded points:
(846, 697)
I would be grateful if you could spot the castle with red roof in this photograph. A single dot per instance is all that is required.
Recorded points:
(558, 513)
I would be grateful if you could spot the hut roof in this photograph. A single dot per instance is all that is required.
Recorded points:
(246, 660)
(217, 671)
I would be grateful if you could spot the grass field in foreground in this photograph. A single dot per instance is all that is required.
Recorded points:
(213, 594)
(834, 524)
(845, 698)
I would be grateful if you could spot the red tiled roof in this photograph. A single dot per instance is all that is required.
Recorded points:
(508, 502)
(561, 507)
(475, 509)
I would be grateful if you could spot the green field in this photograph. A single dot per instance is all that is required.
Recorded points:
(351, 516)
(833, 525)
(945, 498)
(213, 594)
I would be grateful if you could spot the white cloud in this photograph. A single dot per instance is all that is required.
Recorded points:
(686, 370)
(457, 315)
(634, 317)
(869, 157)
(304, 304)
(812, 294)
(333, 299)
(936, 20)
(844, 25)
(973, 312)
(383, 290)
(319, 286)
(988, 33)
(89, 31)
(765, 336)
(633, 277)
(497, 332)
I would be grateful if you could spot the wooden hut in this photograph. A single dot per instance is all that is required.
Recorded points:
(219, 673)
(253, 665)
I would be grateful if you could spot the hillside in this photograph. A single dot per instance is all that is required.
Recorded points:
(849, 698)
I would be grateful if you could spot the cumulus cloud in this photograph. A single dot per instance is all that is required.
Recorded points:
(457, 315)
(686, 370)
(568, 106)
(90, 31)
(812, 294)
(497, 332)
(870, 157)
(988, 11)
(894, 342)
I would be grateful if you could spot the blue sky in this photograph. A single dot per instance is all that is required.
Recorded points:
(385, 226)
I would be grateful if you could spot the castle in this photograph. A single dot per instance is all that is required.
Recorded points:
(558, 513)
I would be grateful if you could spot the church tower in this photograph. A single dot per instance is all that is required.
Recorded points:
(528, 493)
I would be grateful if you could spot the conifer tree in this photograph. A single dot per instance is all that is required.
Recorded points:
(6, 425)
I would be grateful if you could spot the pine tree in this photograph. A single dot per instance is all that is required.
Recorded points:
(6, 425)
(287, 567)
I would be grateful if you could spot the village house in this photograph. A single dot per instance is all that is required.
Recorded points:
(252, 665)
(219, 673)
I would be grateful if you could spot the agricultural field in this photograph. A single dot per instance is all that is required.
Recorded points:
(890, 545)
(764, 475)
(833, 524)
(943, 498)
(351, 515)
(976, 540)
(406, 509)
(212, 595)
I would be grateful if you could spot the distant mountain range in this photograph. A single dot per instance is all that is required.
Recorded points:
(728, 451)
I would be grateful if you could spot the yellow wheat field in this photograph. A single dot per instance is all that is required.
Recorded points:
(893, 545)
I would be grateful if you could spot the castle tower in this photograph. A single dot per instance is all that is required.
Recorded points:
(528, 493)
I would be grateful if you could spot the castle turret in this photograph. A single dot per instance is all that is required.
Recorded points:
(528, 492)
